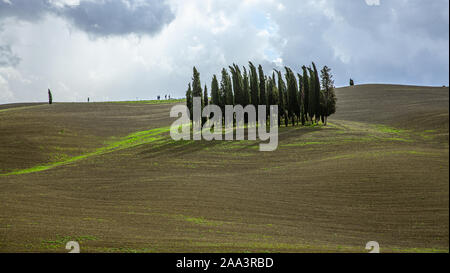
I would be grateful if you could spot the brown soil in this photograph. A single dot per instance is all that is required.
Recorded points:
(378, 172)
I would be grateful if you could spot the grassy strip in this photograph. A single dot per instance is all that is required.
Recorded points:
(129, 141)
(150, 101)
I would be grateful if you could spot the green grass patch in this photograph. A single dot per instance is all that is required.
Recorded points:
(61, 241)
(132, 140)
(149, 101)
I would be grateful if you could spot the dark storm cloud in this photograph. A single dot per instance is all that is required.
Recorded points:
(7, 57)
(101, 17)
(24, 9)
(112, 17)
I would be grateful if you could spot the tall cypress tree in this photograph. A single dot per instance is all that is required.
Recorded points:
(225, 85)
(237, 84)
(305, 79)
(205, 96)
(282, 105)
(254, 86)
(246, 89)
(301, 98)
(189, 101)
(197, 90)
(292, 91)
(272, 92)
(329, 97)
(312, 96)
(317, 92)
(196, 86)
(215, 96)
(262, 87)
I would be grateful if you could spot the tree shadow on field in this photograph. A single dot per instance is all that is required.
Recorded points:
(183, 147)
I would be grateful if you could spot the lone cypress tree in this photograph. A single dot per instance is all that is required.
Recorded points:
(329, 97)
(352, 82)
(50, 97)
(189, 101)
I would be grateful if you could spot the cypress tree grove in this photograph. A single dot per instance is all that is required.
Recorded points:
(329, 97)
(305, 79)
(317, 92)
(298, 100)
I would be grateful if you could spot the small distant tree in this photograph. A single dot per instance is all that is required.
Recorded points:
(352, 82)
(329, 97)
(50, 97)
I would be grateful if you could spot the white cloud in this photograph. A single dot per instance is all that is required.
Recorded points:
(373, 2)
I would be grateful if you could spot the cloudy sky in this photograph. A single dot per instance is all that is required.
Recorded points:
(128, 49)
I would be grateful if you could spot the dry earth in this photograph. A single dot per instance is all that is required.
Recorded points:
(109, 176)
